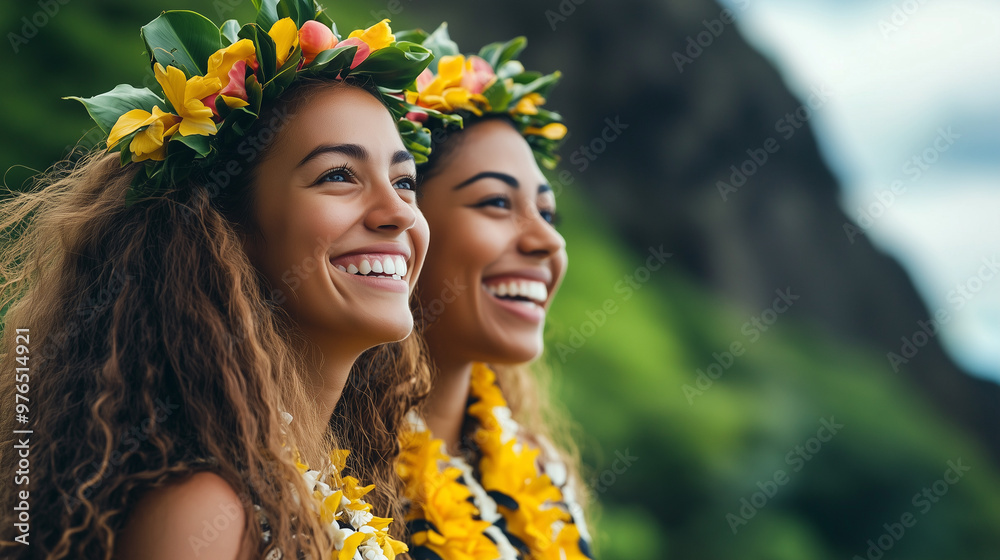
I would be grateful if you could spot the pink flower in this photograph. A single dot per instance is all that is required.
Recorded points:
(314, 38)
(424, 79)
(416, 116)
(235, 92)
(478, 75)
(362, 53)
(237, 86)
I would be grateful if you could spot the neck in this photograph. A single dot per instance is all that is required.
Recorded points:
(329, 366)
(445, 408)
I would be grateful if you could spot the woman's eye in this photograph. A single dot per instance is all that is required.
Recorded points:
(341, 175)
(550, 216)
(498, 202)
(407, 183)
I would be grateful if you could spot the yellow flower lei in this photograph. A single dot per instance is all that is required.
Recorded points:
(356, 533)
(442, 517)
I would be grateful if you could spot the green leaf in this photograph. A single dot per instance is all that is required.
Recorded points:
(264, 46)
(498, 96)
(542, 86)
(417, 36)
(332, 61)
(107, 107)
(183, 39)
(286, 74)
(200, 144)
(395, 67)
(300, 11)
(325, 19)
(270, 11)
(510, 69)
(498, 54)
(267, 13)
(440, 44)
(231, 30)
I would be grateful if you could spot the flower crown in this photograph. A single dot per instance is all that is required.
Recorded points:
(493, 82)
(215, 81)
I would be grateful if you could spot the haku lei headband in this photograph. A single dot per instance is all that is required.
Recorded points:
(493, 82)
(215, 81)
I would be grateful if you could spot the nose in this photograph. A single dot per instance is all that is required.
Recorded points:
(387, 211)
(537, 237)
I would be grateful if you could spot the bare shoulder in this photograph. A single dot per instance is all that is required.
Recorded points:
(197, 517)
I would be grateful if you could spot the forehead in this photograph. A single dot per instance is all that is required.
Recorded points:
(493, 145)
(337, 115)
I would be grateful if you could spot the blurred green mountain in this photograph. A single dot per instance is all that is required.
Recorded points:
(696, 455)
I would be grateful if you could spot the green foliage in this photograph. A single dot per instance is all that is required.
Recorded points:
(624, 386)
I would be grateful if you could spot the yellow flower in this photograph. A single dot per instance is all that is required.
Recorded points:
(437, 496)
(150, 143)
(222, 61)
(286, 37)
(445, 92)
(186, 97)
(351, 545)
(528, 105)
(552, 131)
(376, 37)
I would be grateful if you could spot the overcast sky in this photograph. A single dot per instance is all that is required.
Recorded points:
(910, 79)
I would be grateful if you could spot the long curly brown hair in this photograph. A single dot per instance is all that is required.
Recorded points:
(155, 350)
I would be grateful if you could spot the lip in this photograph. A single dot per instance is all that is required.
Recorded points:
(531, 312)
(542, 275)
(378, 248)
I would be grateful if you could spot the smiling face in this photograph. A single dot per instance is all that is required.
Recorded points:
(342, 238)
(495, 259)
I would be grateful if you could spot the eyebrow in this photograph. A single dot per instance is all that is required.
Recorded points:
(351, 150)
(355, 151)
(511, 181)
(402, 156)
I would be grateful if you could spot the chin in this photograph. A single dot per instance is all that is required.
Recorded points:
(391, 331)
(518, 352)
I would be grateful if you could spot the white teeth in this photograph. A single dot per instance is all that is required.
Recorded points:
(400, 266)
(351, 269)
(341, 268)
(365, 267)
(389, 266)
(396, 277)
(376, 266)
(534, 291)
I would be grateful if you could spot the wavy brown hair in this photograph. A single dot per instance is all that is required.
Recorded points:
(156, 350)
